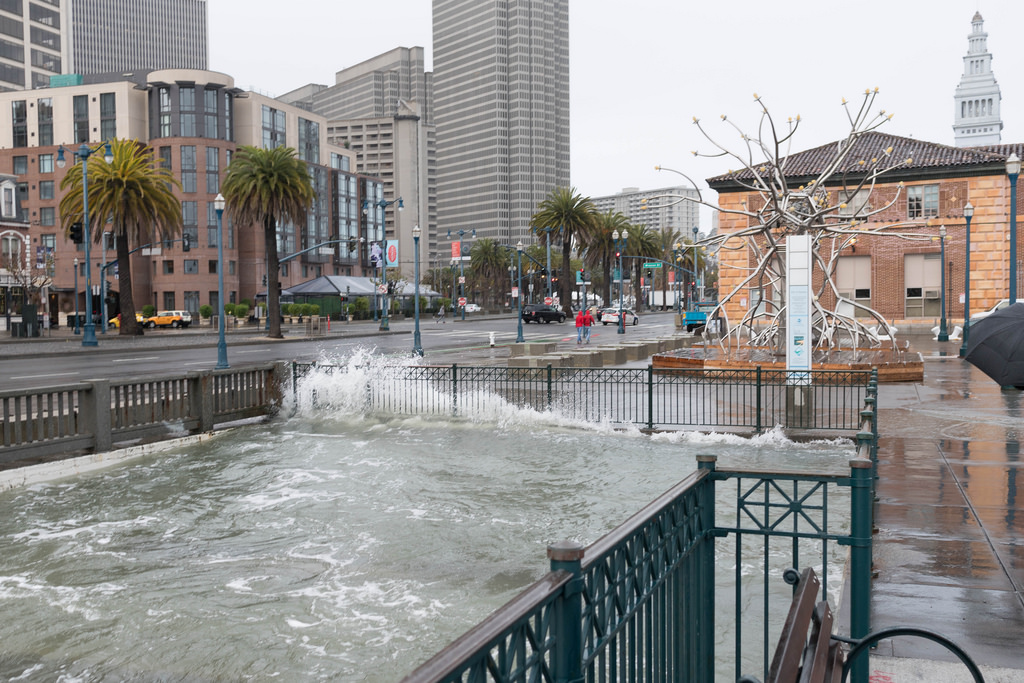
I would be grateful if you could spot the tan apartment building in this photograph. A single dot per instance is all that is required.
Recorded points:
(194, 121)
(899, 278)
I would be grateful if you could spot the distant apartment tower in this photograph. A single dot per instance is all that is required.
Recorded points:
(659, 210)
(382, 110)
(120, 36)
(33, 44)
(977, 100)
(501, 104)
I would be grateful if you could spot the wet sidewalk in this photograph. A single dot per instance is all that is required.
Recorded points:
(949, 552)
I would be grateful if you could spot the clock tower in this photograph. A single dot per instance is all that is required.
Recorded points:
(977, 98)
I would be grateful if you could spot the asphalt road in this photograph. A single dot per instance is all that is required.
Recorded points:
(61, 359)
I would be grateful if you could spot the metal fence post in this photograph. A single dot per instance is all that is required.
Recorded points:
(862, 502)
(650, 396)
(455, 389)
(757, 418)
(95, 413)
(551, 375)
(702, 658)
(567, 657)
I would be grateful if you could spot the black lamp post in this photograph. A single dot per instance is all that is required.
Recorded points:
(417, 347)
(519, 284)
(943, 335)
(968, 214)
(222, 344)
(83, 154)
(462, 269)
(620, 244)
(1013, 170)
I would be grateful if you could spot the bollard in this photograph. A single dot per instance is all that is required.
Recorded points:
(860, 558)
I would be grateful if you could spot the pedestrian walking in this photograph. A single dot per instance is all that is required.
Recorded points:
(579, 327)
(439, 318)
(588, 322)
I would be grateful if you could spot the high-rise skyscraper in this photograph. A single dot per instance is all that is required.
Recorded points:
(110, 36)
(501, 109)
(33, 44)
(977, 121)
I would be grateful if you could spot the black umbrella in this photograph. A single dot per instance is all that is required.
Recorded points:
(996, 346)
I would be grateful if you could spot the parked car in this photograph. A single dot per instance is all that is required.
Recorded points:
(610, 316)
(169, 319)
(473, 308)
(538, 313)
(116, 320)
(984, 314)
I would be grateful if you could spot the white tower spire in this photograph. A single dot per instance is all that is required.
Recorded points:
(977, 98)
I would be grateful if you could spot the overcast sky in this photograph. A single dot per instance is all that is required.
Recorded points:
(640, 70)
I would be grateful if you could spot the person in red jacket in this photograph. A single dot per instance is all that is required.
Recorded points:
(588, 321)
(579, 327)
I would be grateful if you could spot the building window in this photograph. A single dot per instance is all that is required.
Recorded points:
(168, 301)
(44, 114)
(10, 248)
(8, 205)
(309, 141)
(20, 165)
(211, 236)
(46, 163)
(192, 301)
(188, 168)
(231, 267)
(210, 113)
(46, 189)
(273, 128)
(212, 266)
(48, 240)
(189, 214)
(47, 215)
(191, 266)
(168, 267)
(923, 201)
(108, 116)
(165, 112)
(227, 116)
(80, 107)
(212, 170)
(19, 121)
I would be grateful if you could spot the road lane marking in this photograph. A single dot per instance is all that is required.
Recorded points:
(134, 360)
(56, 374)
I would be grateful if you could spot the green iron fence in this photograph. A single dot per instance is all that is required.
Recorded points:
(736, 399)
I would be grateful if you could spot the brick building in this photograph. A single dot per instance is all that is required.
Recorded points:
(193, 120)
(900, 279)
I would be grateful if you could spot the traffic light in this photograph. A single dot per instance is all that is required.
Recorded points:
(186, 243)
(618, 254)
(650, 274)
(76, 233)
(264, 280)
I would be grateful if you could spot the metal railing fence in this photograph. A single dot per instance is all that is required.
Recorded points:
(754, 399)
(95, 415)
(640, 603)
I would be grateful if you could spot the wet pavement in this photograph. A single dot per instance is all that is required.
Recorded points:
(949, 549)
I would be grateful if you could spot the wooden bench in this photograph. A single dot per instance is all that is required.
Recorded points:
(808, 652)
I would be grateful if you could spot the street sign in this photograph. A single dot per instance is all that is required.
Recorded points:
(382, 289)
(462, 280)
(462, 301)
(515, 292)
(548, 300)
(654, 264)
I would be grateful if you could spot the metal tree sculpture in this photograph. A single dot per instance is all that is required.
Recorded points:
(818, 208)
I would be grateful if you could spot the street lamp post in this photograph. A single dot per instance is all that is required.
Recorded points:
(968, 214)
(1013, 170)
(619, 246)
(103, 286)
(943, 335)
(677, 258)
(696, 280)
(383, 204)
(417, 347)
(222, 344)
(548, 230)
(462, 269)
(77, 330)
(519, 299)
(83, 154)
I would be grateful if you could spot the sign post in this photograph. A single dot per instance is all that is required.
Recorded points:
(799, 345)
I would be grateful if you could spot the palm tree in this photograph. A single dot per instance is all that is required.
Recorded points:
(601, 252)
(643, 243)
(573, 216)
(136, 197)
(490, 264)
(267, 186)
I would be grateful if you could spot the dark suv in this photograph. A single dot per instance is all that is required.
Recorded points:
(542, 313)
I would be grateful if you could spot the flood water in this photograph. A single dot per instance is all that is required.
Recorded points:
(327, 545)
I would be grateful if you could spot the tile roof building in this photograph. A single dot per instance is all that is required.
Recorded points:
(900, 279)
